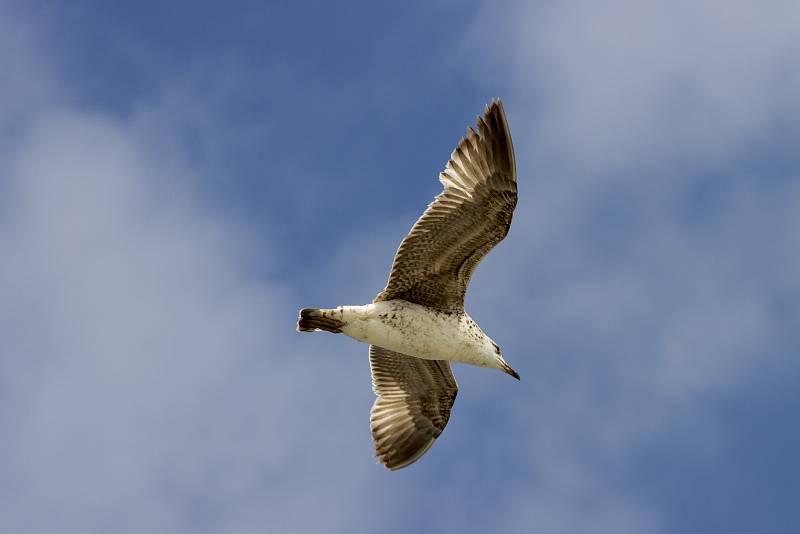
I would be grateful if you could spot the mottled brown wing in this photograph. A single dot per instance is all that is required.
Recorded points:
(413, 405)
(435, 261)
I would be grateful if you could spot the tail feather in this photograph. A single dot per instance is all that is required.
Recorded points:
(314, 319)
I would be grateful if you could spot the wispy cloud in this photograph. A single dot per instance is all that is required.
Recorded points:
(643, 230)
(649, 83)
(145, 374)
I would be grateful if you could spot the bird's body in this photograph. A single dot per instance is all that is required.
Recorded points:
(417, 331)
(417, 324)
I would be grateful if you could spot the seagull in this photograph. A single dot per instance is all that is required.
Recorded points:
(417, 325)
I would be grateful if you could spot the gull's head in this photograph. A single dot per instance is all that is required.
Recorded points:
(501, 364)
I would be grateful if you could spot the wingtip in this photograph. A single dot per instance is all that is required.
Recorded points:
(495, 102)
(385, 458)
(495, 114)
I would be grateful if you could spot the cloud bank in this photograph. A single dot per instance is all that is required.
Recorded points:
(656, 236)
(146, 375)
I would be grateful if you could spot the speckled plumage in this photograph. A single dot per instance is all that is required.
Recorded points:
(435, 261)
(417, 324)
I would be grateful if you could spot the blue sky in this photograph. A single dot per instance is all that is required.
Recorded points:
(176, 181)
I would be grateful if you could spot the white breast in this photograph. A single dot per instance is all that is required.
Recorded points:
(418, 331)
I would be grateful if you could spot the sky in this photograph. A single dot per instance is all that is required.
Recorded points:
(178, 179)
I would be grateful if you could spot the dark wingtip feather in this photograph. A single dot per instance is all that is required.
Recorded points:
(502, 146)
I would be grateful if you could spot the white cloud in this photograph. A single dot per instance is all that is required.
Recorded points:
(642, 83)
(642, 250)
(124, 317)
(149, 378)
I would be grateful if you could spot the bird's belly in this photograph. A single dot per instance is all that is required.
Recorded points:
(414, 330)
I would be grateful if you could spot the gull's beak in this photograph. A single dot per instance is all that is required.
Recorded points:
(507, 369)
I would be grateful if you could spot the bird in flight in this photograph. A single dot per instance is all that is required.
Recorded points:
(417, 325)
